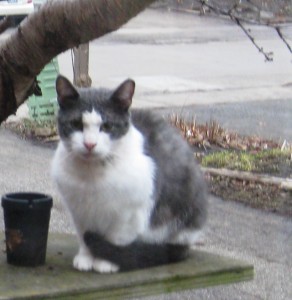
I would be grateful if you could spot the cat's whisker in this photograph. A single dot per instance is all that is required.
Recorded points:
(69, 154)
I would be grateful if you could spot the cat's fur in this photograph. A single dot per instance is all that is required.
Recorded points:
(129, 180)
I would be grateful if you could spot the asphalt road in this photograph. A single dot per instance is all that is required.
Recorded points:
(265, 119)
(205, 67)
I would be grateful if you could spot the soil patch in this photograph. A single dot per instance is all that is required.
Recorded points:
(267, 197)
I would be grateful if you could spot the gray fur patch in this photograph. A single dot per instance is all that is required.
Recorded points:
(181, 192)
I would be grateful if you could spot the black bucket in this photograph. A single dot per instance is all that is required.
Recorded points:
(26, 219)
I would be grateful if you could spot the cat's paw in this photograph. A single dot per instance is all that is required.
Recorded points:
(104, 266)
(83, 262)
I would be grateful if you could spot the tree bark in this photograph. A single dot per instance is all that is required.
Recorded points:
(59, 25)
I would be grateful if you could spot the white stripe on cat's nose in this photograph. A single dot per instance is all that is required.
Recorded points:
(91, 118)
(89, 146)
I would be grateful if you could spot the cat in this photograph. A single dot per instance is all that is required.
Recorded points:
(129, 180)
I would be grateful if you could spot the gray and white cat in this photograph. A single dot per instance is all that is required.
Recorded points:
(128, 179)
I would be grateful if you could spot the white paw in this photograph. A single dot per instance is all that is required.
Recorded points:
(83, 262)
(104, 266)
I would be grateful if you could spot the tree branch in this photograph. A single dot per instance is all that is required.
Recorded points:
(267, 55)
(238, 20)
(278, 30)
(5, 23)
(59, 25)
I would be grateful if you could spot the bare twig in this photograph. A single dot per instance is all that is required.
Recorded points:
(212, 135)
(280, 34)
(238, 20)
(235, 11)
(222, 12)
(267, 55)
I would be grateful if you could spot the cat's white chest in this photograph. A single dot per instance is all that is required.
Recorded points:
(116, 199)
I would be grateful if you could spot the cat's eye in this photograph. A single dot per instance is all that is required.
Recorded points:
(106, 127)
(77, 125)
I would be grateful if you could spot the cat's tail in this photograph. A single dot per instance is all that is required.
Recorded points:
(136, 255)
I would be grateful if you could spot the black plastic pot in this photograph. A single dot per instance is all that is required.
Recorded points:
(26, 219)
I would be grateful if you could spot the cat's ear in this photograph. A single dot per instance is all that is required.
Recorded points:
(66, 92)
(122, 96)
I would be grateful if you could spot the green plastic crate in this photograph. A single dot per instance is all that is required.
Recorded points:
(45, 107)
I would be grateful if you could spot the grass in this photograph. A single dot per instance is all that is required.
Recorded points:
(261, 161)
(229, 160)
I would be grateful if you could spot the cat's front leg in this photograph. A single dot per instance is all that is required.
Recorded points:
(84, 261)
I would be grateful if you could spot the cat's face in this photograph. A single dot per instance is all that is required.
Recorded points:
(91, 122)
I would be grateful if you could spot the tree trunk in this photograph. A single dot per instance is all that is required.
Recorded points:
(59, 25)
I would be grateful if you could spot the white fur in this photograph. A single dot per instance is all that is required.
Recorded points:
(114, 200)
(84, 261)
(91, 122)
(91, 134)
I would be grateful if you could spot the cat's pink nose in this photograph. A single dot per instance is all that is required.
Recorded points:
(89, 146)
